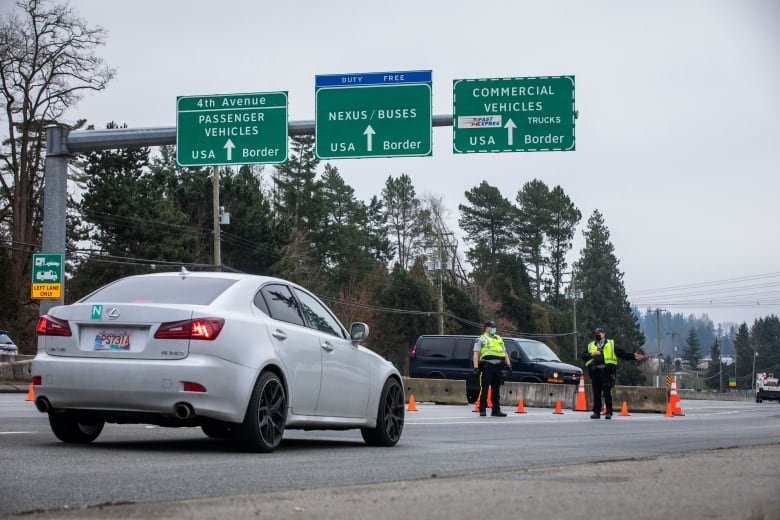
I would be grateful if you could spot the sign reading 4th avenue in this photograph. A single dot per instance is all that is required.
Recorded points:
(376, 114)
(231, 129)
(513, 114)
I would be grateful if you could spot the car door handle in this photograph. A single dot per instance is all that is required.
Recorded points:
(326, 346)
(278, 334)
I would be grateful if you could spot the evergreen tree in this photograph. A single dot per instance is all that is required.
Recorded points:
(691, 353)
(341, 239)
(765, 338)
(744, 350)
(379, 244)
(604, 302)
(564, 217)
(394, 333)
(248, 242)
(299, 210)
(712, 378)
(404, 217)
(487, 223)
(128, 220)
(533, 221)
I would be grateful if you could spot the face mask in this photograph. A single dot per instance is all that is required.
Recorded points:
(493, 330)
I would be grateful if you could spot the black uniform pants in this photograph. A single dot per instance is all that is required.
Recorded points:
(601, 382)
(490, 377)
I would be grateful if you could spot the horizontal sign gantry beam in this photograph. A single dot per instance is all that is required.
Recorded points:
(89, 140)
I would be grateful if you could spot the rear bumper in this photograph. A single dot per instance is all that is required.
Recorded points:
(145, 386)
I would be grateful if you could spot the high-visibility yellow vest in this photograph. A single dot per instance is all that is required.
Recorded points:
(491, 346)
(607, 352)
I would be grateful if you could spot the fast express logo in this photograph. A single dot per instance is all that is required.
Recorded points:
(479, 121)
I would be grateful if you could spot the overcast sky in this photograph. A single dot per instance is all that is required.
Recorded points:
(677, 141)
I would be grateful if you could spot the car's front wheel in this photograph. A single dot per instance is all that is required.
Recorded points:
(69, 427)
(265, 417)
(390, 417)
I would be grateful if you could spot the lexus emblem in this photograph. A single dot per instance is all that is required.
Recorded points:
(113, 313)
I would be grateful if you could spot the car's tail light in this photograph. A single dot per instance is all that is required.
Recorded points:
(49, 326)
(189, 386)
(37, 380)
(413, 353)
(198, 328)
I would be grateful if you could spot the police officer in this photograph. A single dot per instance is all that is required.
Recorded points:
(489, 358)
(601, 360)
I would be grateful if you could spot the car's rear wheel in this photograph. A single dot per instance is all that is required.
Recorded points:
(265, 417)
(70, 427)
(390, 417)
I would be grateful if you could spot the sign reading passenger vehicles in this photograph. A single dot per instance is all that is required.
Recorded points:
(513, 114)
(231, 129)
(376, 114)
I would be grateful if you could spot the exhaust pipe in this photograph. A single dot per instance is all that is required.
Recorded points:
(43, 405)
(183, 410)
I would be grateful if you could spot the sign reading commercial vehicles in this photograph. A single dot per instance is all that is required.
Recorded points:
(513, 114)
(231, 129)
(46, 276)
(377, 114)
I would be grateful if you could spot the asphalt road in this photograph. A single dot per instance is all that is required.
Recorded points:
(721, 459)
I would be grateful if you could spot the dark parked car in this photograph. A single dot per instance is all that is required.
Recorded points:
(7, 346)
(450, 357)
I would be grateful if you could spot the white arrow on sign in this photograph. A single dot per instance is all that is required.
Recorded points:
(229, 147)
(510, 125)
(368, 133)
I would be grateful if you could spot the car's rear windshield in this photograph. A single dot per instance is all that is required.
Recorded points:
(155, 289)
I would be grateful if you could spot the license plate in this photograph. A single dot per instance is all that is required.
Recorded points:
(112, 340)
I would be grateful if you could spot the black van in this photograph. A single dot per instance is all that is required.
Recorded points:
(451, 357)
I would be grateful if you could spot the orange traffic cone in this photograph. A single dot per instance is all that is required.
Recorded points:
(558, 407)
(490, 397)
(412, 406)
(520, 406)
(624, 410)
(580, 405)
(30, 393)
(674, 398)
(476, 405)
(669, 410)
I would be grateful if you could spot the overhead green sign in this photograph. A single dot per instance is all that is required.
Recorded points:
(46, 276)
(231, 129)
(513, 114)
(377, 114)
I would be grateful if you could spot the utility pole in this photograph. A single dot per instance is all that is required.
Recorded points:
(753, 375)
(574, 295)
(215, 207)
(658, 334)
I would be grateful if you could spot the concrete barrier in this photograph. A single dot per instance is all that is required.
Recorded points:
(537, 395)
(16, 370)
(440, 391)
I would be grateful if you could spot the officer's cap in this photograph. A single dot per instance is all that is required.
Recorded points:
(490, 323)
(599, 330)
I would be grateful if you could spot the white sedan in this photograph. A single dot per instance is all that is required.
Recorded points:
(239, 355)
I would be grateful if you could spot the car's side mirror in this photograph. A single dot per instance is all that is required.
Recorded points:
(358, 332)
(514, 356)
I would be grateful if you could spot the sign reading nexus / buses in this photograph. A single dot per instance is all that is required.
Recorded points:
(377, 114)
